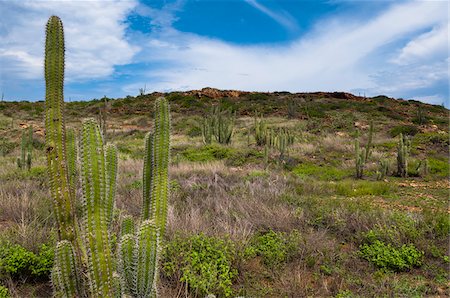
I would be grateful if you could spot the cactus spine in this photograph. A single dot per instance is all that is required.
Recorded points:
(402, 156)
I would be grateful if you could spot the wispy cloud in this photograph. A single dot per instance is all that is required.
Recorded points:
(333, 56)
(282, 17)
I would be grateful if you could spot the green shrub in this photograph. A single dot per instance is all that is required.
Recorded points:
(4, 293)
(409, 130)
(207, 153)
(387, 257)
(325, 172)
(17, 262)
(204, 263)
(275, 248)
(240, 157)
(439, 167)
(427, 138)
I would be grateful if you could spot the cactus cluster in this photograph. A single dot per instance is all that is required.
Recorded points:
(26, 149)
(84, 254)
(362, 155)
(218, 124)
(402, 155)
(383, 169)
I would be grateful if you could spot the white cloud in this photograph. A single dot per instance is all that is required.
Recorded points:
(428, 45)
(282, 17)
(94, 33)
(334, 56)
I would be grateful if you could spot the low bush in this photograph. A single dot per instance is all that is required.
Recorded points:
(388, 257)
(204, 264)
(439, 167)
(18, 262)
(275, 248)
(409, 130)
(206, 153)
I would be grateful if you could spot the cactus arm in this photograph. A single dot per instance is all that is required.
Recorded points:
(127, 262)
(147, 259)
(111, 177)
(147, 176)
(64, 274)
(95, 222)
(161, 151)
(127, 225)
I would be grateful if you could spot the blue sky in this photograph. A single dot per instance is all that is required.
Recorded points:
(113, 48)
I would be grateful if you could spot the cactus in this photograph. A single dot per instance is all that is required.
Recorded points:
(207, 130)
(260, 131)
(90, 246)
(402, 156)
(127, 262)
(424, 169)
(26, 149)
(95, 221)
(111, 180)
(147, 252)
(383, 169)
(362, 156)
(159, 188)
(71, 145)
(64, 275)
(55, 133)
(127, 225)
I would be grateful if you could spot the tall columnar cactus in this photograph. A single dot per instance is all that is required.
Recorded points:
(362, 155)
(64, 273)
(160, 163)
(382, 169)
(260, 131)
(55, 132)
(207, 130)
(26, 149)
(402, 156)
(95, 205)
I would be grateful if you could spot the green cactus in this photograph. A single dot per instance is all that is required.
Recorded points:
(127, 262)
(147, 176)
(362, 155)
(64, 274)
(207, 130)
(26, 149)
(260, 131)
(55, 133)
(402, 155)
(424, 169)
(127, 225)
(382, 169)
(71, 145)
(111, 180)
(94, 185)
(146, 260)
(160, 163)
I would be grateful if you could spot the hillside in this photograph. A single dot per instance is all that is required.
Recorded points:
(249, 220)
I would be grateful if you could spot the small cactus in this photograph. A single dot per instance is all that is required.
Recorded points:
(403, 148)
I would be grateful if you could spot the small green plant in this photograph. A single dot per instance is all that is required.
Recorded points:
(271, 246)
(204, 264)
(387, 257)
(4, 293)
